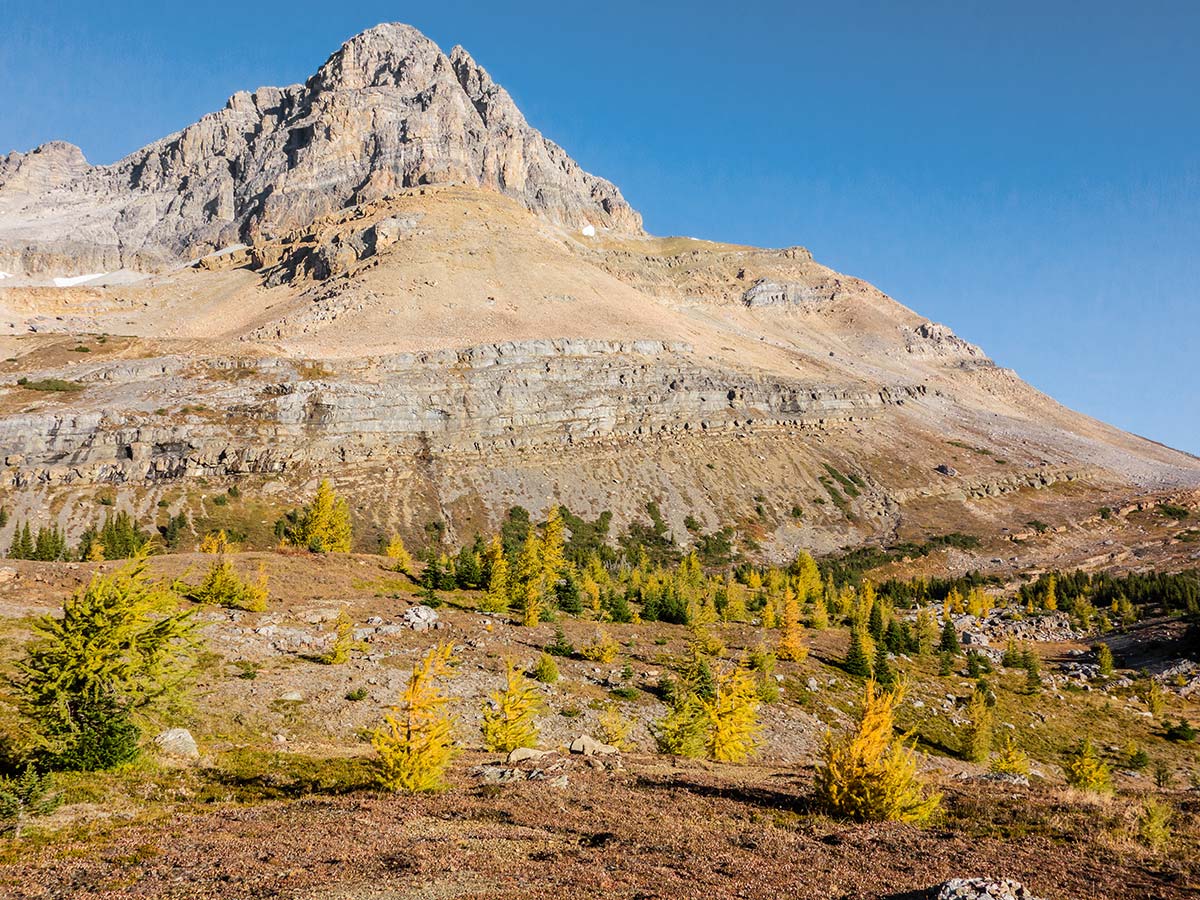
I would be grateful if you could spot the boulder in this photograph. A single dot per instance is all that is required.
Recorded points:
(589, 746)
(521, 754)
(177, 742)
(420, 618)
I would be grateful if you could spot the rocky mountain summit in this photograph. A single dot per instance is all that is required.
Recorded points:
(388, 110)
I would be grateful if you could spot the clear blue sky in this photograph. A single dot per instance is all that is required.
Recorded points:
(1027, 172)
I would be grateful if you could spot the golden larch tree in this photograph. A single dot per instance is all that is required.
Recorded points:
(791, 643)
(870, 774)
(508, 715)
(415, 742)
(732, 717)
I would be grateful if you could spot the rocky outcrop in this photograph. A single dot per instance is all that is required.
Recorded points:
(934, 339)
(503, 397)
(765, 292)
(388, 110)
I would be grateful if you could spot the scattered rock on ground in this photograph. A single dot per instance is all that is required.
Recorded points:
(521, 754)
(420, 618)
(589, 746)
(177, 742)
(983, 889)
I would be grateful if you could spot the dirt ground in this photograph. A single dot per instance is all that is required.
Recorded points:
(650, 831)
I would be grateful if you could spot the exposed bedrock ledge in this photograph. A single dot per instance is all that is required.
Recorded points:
(979, 488)
(262, 416)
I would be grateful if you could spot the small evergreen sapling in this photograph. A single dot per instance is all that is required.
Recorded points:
(415, 742)
(343, 641)
(885, 675)
(856, 662)
(1010, 759)
(24, 797)
(120, 647)
(949, 641)
(791, 640)
(496, 599)
(545, 669)
(1085, 770)
(682, 731)
(402, 560)
(323, 526)
(508, 715)
(1104, 659)
(603, 650)
(222, 586)
(732, 717)
(560, 646)
(977, 737)
(615, 728)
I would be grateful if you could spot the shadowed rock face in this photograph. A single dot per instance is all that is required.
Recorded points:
(388, 110)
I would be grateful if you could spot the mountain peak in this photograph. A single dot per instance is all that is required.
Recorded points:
(387, 110)
(383, 56)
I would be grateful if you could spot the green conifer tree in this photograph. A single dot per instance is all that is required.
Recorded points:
(885, 675)
(949, 642)
(856, 662)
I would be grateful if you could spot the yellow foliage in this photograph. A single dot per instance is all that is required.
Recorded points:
(343, 640)
(1155, 698)
(865, 600)
(552, 550)
(525, 581)
(1010, 760)
(768, 614)
(707, 612)
(590, 588)
(615, 728)
(735, 602)
(508, 715)
(603, 650)
(704, 643)
(845, 601)
(682, 731)
(496, 599)
(323, 526)
(402, 560)
(871, 774)
(807, 575)
(791, 644)
(216, 542)
(415, 742)
(531, 608)
(820, 613)
(953, 603)
(223, 587)
(732, 717)
(1085, 770)
(979, 602)
(1154, 824)
(977, 737)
